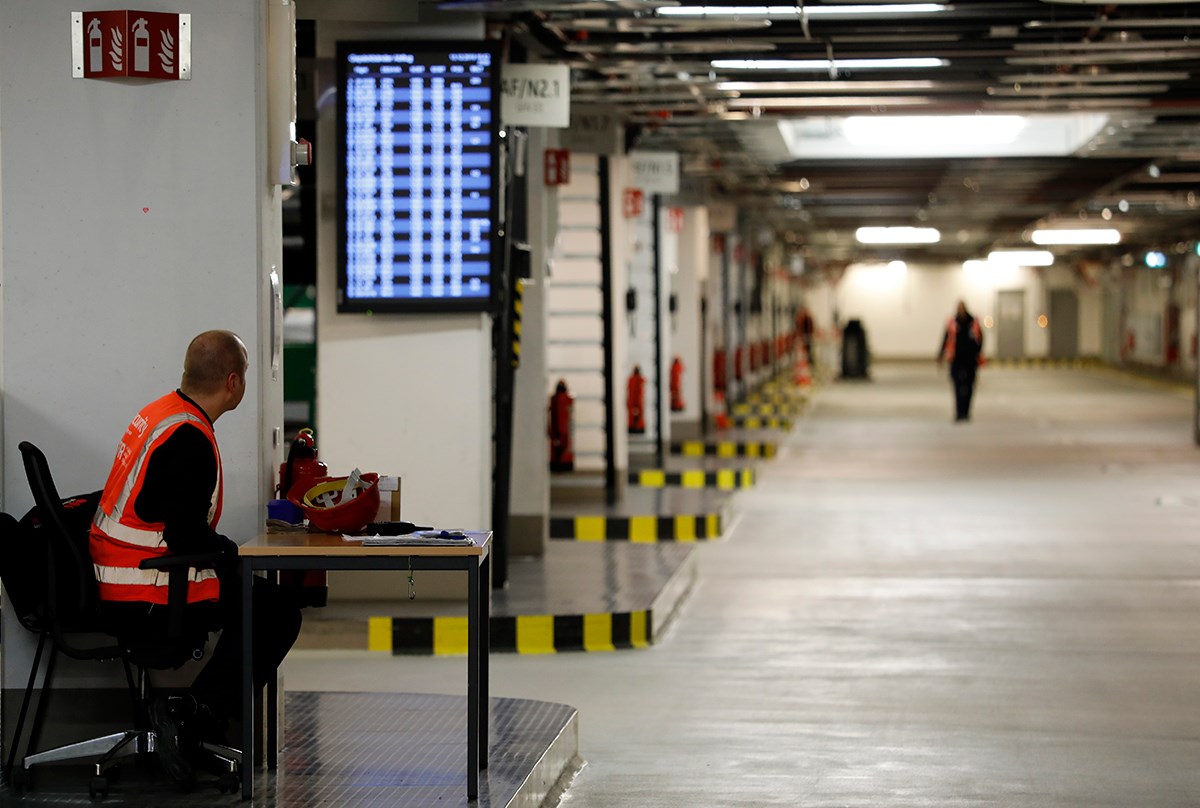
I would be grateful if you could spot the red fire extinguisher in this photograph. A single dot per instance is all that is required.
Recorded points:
(719, 370)
(562, 458)
(677, 404)
(297, 474)
(635, 401)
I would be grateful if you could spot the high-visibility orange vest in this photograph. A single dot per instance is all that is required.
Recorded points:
(951, 339)
(120, 541)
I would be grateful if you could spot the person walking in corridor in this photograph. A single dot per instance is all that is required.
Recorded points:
(962, 347)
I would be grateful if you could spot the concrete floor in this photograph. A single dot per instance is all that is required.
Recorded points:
(910, 612)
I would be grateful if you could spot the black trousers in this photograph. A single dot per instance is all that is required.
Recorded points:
(964, 387)
(276, 625)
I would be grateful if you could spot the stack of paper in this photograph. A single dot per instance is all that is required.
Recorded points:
(421, 538)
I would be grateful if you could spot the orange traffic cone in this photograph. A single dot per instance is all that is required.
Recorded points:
(720, 416)
(803, 375)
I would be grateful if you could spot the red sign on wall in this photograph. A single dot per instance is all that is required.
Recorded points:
(132, 44)
(633, 203)
(557, 167)
(675, 219)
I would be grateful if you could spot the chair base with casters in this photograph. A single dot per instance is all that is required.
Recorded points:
(70, 620)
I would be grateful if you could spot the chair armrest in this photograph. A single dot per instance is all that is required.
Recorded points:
(170, 562)
(177, 567)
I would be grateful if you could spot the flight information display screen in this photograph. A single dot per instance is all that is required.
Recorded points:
(417, 172)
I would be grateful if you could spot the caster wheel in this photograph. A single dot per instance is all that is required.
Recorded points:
(229, 783)
(98, 788)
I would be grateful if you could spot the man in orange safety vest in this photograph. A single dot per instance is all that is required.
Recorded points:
(163, 496)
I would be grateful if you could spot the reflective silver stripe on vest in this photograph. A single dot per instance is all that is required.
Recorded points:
(140, 577)
(129, 535)
(136, 469)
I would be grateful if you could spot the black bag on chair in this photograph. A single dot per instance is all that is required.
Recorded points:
(23, 557)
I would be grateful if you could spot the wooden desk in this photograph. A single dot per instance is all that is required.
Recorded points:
(283, 551)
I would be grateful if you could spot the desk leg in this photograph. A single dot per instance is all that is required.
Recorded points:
(485, 646)
(247, 680)
(474, 646)
(272, 706)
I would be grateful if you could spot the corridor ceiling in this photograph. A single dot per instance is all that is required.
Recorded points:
(1134, 67)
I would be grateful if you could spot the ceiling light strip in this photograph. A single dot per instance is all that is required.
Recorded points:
(797, 11)
(1099, 235)
(902, 63)
(897, 235)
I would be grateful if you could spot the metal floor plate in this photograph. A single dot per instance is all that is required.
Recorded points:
(362, 749)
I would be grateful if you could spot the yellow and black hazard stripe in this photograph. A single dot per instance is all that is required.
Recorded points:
(760, 422)
(523, 634)
(725, 479)
(724, 448)
(747, 408)
(1027, 363)
(637, 529)
(518, 309)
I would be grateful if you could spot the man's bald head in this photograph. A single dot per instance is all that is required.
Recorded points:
(211, 358)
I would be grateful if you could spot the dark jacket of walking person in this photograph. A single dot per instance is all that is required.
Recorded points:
(962, 347)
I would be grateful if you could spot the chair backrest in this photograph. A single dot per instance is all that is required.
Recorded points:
(71, 593)
(23, 568)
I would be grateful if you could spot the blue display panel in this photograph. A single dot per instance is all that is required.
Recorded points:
(417, 173)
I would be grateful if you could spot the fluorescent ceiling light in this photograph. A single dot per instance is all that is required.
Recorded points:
(1022, 258)
(909, 136)
(904, 63)
(821, 86)
(898, 235)
(829, 101)
(958, 130)
(1095, 235)
(795, 11)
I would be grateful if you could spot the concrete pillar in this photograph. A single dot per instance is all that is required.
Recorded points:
(134, 214)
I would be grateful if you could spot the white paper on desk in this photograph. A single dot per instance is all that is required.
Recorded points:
(421, 538)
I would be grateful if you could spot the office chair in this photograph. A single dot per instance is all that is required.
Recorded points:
(69, 622)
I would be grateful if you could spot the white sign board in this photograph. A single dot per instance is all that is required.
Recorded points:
(722, 217)
(656, 172)
(535, 95)
(595, 130)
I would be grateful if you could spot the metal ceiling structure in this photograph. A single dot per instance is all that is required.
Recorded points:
(1137, 63)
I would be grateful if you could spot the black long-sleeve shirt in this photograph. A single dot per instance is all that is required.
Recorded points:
(181, 477)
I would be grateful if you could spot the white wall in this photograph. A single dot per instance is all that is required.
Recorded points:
(686, 278)
(136, 214)
(905, 312)
(401, 394)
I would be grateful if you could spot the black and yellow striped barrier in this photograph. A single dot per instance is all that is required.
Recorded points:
(637, 529)
(760, 422)
(523, 634)
(724, 448)
(725, 479)
(1043, 363)
(747, 408)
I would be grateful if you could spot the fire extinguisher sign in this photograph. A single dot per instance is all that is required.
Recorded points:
(131, 44)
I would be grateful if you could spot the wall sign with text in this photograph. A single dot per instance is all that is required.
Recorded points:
(131, 44)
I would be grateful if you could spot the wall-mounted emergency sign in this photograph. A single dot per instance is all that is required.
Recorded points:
(633, 203)
(131, 44)
(557, 165)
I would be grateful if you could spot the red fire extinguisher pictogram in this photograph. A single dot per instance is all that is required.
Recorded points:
(635, 401)
(297, 474)
(677, 404)
(719, 370)
(562, 457)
